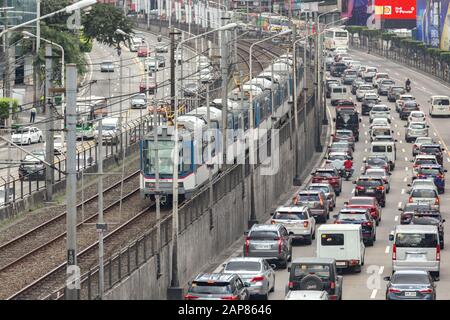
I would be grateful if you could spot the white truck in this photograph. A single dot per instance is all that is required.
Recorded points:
(343, 242)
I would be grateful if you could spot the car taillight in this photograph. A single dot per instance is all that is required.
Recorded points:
(279, 246)
(428, 290)
(441, 176)
(332, 285)
(257, 279)
(359, 188)
(367, 223)
(290, 285)
(438, 253)
(392, 290)
(332, 297)
(305, 224)
(410, 200)
(247, 245)
(190, 297)
(380, 188)
(337, 222)
(436, 202)
(273, 222)
(394, 252)
(230, 298)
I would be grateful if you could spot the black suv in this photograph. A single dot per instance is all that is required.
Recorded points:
(338, 68)
(371, 187)
(367, 105)
(315, 274)
(359, 216)
(217, 286)
(348, 118)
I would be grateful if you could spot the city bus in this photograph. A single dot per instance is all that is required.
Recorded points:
(336, 38)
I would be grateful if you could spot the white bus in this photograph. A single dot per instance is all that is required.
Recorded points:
(336, 38)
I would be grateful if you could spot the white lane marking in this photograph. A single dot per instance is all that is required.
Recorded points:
(406, 159)
(435, 134)
(353, 190)
(381, 270)
(401, 141)
(398, 133)
(448, 159)
(396, 125)
(365, 142)
(365, 150)
(387, 249)
(362, 169)
(403, 150)
(397, 74)
(405, 179)
(364, 125)
(374, 294)
(400, 204)
(403, 191)
(396, 218)
(365, 133)
(406, 168)
(440, 142)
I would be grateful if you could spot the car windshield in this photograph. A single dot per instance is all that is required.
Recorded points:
(243, 265)
(369, 183)
(417, 126)
(210, 288)
(441, 102)
(425, 161)
(361, 201)
(325, 173)
(407, 278)
(423, 193)
(21, 131)
(351, 73)
(376, 162)
(426, 219)
(380, 108)
(309, 197)
(30, 158)
(321, 188)
(351, 216)
(429, 171)
(410, 106)
(381, 132)
(387, 82)
(289, 216)
(370, 100)
(417, 115)
(263, 235)
(362, 88)
(301, 270)
(422, 140)
(419, 240)
(337, 157)
(430, 150)
(397, 89)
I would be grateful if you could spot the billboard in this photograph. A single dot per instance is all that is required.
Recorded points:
(378, 14)
(433, 23)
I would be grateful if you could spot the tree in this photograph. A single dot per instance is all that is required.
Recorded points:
(102, 22)
(4, 109)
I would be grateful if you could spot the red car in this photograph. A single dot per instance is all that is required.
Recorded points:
(330, 175)
(151, 86)
(370, 203)
(143, 52)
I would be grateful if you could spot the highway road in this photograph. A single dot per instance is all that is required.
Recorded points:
(369, 283)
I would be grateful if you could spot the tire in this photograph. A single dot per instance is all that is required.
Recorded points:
(311, 282)
(314, 236)
(308, 240)
(273, 287)
(377, 223)
(40, 139)
(357, 269)
(265, 296)
(284, 264)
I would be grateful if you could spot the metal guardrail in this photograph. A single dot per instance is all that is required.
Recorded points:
(87, 155)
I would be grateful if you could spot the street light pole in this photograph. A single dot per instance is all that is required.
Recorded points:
(49, 125)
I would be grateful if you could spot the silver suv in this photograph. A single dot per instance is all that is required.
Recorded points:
(269, 241)
(217, 286)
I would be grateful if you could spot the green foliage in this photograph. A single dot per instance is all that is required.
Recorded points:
(434, 51)
(102, 22)
(48, 6)
(445, 56)
(4, 107)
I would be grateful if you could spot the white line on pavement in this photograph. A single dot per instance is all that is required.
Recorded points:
(381, 270)
(401, 141)
(448, 159)
(403, 191)
(353, 190)
(405, 179)
(387, 249)
(365, 141)
(396, 125)
(398, 133)
(435, 134)
(365, 150)
(403, 150)
(406, 159)
(406, 168)
(396, 218)
(400, 204)
(374, 294)
(364, 125)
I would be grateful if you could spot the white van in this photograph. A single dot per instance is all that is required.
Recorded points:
(135, 43)
(440, 106)
(343, 242)
(386, 148)
(110, 130)
(338, 93)
(382, 133)
(416, 247)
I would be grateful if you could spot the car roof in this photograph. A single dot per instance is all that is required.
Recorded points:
(310, 191)
(365, 198)
(362, 210)
(430, 145)
(310, 260)
(411, 271)
(244, 259)
(413, 228)
(362, 177)
(314, 294)
(423, 187)
(292, 208)
(217, 277)
(425, 156)
(320, 184)
(440, 97)
(339, 227)
(258, 227)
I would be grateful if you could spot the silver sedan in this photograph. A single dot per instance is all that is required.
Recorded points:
(256, 272)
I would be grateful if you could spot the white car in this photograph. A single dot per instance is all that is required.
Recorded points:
(355, 64)
(205, 76)
(402, 99)
(378, 77)
(340, 50)
(423, 159)
(379, 122)
(425, 194)
(422, 182)
(27, 135)
(440, 106)
(417, 116)
(363, 89)
(380, 111)
(298, 221)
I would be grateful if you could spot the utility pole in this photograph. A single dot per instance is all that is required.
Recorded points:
(297, 181)
(172, 70)
(224, 71)
(316, 85)
(37, 67)
(49, 125)
(72, 291)
(101, 226)
(211, 164)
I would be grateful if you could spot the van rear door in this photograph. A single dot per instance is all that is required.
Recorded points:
(418, 247)
(332, 245)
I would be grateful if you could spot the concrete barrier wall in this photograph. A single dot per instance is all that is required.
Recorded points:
(198, 244)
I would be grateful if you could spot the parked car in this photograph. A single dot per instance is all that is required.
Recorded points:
(328, 190)
(415, 130)
(317, 203)
(360, 216)
(298, 221)
(370, 203)
(342, 242)
(371, 187)
(256, 272)
(26, 135)
(315, 274)
(416, 247)
(217, 286)
(330, 175)
(32, 166)
(269, 241)
(107, 66)
(410, 285)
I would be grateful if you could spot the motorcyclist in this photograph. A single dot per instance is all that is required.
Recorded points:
(408, 83)
(348, 165)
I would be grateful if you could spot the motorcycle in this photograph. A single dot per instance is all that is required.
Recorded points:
(408, 88)
(346, 173)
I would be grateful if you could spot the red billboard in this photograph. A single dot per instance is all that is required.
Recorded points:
(398, 9)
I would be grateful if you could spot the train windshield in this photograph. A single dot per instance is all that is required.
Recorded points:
(165, 157)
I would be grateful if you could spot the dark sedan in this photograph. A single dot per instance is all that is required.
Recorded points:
(410, 285)
(367, 105)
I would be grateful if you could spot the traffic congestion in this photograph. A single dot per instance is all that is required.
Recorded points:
(371, 209)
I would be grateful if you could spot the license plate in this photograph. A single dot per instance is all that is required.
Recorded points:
(410, 294)
(370, 190)
(415, 256)
(339, 263)
(262, 246)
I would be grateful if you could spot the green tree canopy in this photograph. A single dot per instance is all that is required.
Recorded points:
(102, 22)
